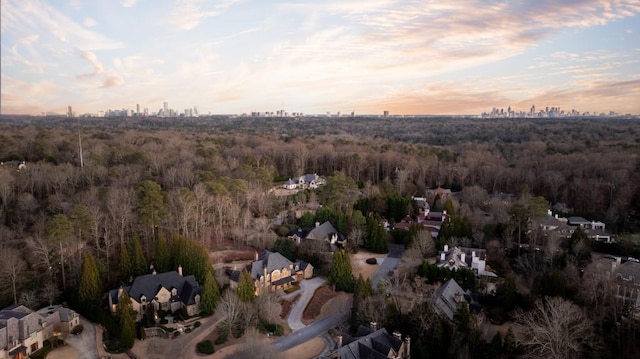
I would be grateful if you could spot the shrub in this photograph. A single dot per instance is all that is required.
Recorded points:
(371, 261)
(205, 347)
(292, 289)
(222, 338)
(273, 328)
(77, 329)
(197, 324)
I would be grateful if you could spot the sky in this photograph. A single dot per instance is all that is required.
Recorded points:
(365, 56)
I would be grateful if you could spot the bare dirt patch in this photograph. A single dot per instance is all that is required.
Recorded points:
(361, 267)
(314, 308)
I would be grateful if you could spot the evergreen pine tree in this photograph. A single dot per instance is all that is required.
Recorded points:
(377, 237)
(246, 287)
(125, 264)
(162, 255)
(138, 262)
(89, 290)
(210, 294)
(341, 274)
(126, 320)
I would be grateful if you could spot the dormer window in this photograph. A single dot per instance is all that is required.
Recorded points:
(143, 299)
(174, 291)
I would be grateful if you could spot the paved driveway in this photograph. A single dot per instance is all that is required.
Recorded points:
(312, 330)
(84, 343)
(308, 287)
(388, 264)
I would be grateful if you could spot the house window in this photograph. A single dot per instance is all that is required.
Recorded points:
(34, 347)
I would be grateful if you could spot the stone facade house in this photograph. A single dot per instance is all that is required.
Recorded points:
(271, 271)
(169, 291)
(22, 332)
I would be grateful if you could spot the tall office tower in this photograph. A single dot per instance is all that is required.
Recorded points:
(385, 113)
(137, 110)
(69, 111)
(165, 110)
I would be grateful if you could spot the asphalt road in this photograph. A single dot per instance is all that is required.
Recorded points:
(389, 263)
(310, 331)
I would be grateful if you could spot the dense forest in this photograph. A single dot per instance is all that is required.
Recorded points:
(209, 179)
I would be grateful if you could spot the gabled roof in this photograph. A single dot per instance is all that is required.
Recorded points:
(444, 299)
(269, 260)
(149, 285)
(372, 345)
(322, 231)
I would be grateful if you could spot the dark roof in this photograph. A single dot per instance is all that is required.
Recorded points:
(371, 345)
(444, 298)
(282, 281)
(322, 231)
(302, 233)
(578, 220)
(20, 349)
(269, 260)
(150, 284)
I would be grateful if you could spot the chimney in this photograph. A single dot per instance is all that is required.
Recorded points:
(397, 335)
(473, 254)
(618, 260)
(339, 341)
(446, 248)
(556, 216)
(463, 257)
(442, 256)
(256, 255)
(153, 271)
(407, 347)
(317, 224)
(373, 325)
(180, 269)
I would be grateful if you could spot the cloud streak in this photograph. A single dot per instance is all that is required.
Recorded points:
(406, 56)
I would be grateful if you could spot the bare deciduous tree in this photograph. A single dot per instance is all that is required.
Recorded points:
(556, 328)
(12, 269)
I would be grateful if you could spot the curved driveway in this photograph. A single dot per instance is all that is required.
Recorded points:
(308, 287)
(85, 342)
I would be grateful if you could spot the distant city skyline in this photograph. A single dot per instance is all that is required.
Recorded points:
(337, 56)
